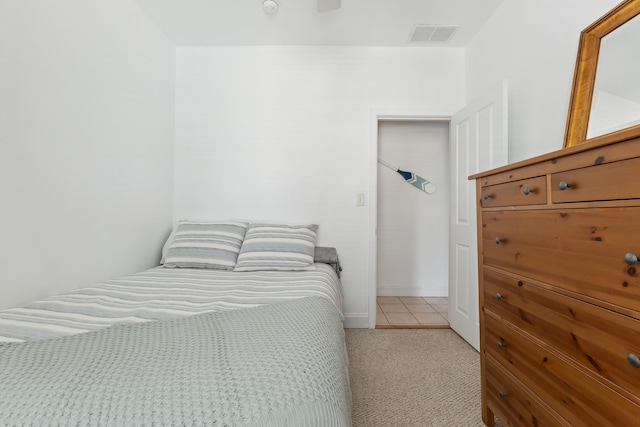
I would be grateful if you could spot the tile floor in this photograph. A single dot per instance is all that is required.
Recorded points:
(412, 312)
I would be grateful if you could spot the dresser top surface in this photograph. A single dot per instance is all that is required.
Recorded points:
(600, 142)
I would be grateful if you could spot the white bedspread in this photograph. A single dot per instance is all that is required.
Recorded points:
(162, 293)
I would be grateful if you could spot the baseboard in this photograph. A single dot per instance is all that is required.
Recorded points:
(393, 291)
(356, 321)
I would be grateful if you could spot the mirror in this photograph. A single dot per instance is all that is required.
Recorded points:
(605, 100)
(615, 102)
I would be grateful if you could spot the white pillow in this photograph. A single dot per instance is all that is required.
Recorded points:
(278, 247)
(197, 244)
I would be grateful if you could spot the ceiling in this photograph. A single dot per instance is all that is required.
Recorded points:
(297, 22)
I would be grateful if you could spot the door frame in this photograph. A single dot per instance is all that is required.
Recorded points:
(377, 116)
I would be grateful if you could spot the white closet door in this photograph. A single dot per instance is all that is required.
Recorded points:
(478, 142)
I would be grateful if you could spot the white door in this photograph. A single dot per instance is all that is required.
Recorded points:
(478, 141)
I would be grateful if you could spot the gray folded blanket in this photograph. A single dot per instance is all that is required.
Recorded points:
(282, 364)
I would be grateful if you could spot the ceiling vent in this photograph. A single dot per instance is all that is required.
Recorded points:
(433, 33)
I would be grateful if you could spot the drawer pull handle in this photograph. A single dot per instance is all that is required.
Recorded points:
(634, 360)
(502, 395)
(630, 259)
(563, 185)
(528, 191)
(499, 240)
(501, 345)
(486, 196)
(499, 296)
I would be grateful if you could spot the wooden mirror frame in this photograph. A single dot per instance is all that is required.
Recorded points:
(585, 75)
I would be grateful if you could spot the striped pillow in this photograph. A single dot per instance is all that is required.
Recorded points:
(205, 245)
(278, 247)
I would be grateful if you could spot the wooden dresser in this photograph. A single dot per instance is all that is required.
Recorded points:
(559, 284)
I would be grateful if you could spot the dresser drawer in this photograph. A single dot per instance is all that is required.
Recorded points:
(513, 405)
(531, 191)
(582, 250)
(567, 390)
(610, 181)
(602, 341)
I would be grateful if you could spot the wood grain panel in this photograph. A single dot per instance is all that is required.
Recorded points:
(513, 405)
(602, 182)
(581, 250)
(578, 398)
(600, 340)
(531, 191)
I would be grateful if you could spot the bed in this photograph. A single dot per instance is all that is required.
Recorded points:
(182, 346)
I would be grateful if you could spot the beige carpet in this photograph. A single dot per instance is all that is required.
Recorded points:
(413, 377)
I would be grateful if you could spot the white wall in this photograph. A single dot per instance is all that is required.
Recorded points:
(413, 231)
(86, 140)
(533, 44)
(283, 134)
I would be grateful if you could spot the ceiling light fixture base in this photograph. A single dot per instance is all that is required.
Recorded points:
(270, 6)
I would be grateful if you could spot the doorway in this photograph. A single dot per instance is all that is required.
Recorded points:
(412, 225)
(479, 141)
